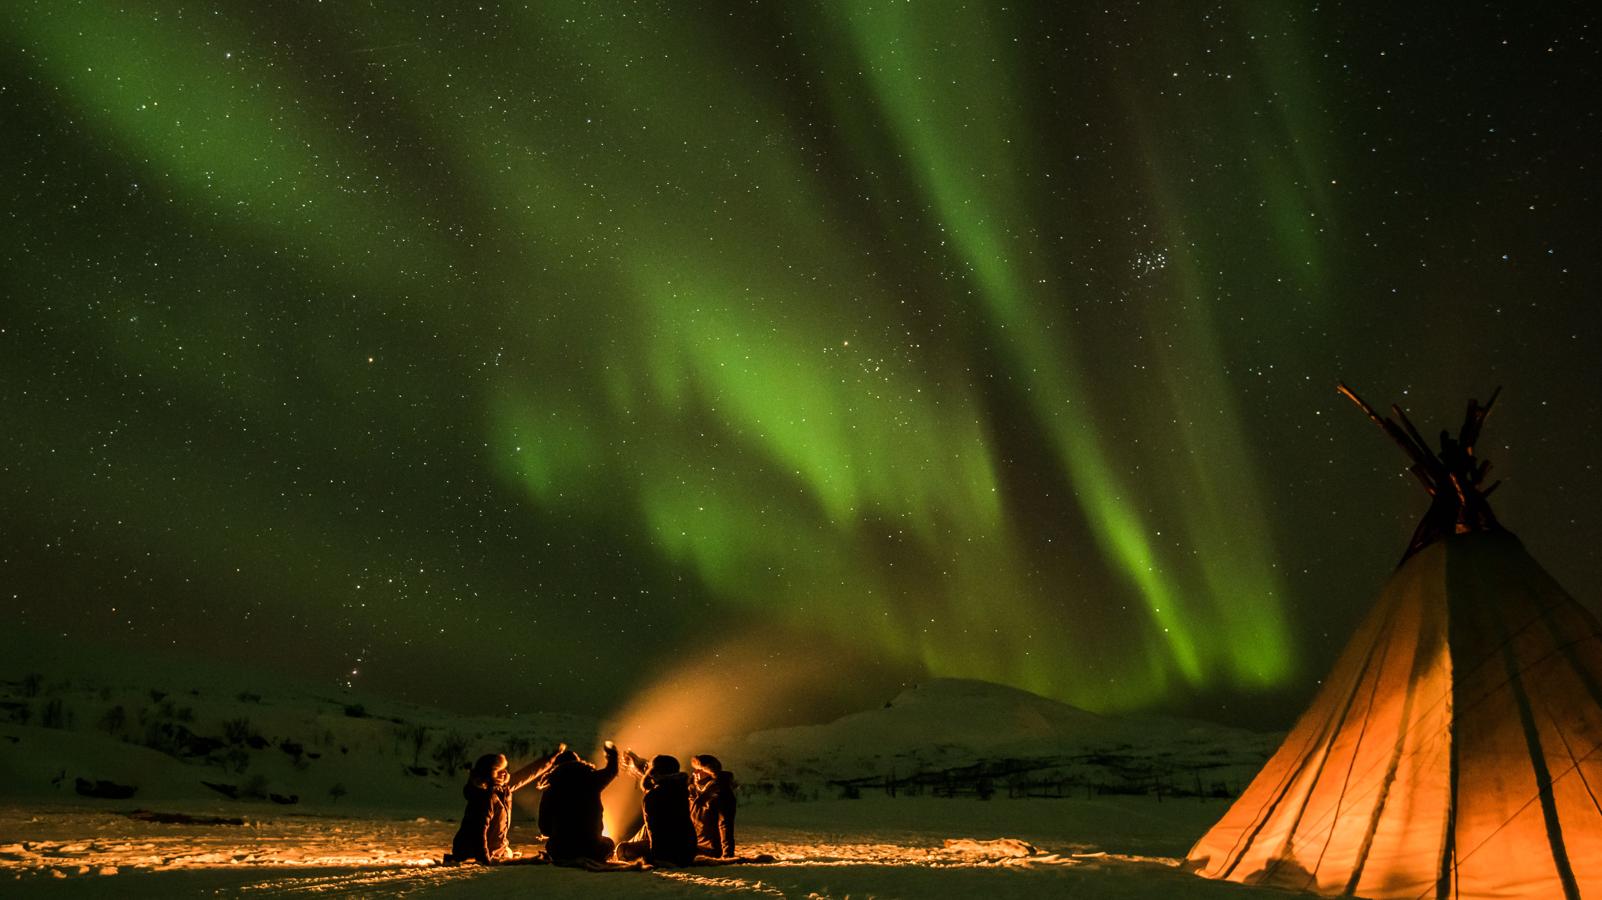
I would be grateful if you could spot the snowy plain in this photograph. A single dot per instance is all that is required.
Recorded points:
(1118, 847)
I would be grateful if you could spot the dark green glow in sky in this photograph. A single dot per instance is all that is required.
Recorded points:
(562, 341)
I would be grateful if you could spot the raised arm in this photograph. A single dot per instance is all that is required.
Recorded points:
(635, 764)
(533, 771)
(606, 773)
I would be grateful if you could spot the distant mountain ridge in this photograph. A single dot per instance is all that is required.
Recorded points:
(948, 724)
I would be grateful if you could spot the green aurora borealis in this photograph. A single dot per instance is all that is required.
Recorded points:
(559, 340)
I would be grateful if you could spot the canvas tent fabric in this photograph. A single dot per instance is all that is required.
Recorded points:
(1452, 752)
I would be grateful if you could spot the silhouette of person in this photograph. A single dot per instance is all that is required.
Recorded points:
(712, 805)
(570, 807)
(668, 837)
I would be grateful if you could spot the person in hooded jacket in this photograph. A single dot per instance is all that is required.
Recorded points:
(668, 837)
(712, 805)
(570, 807)
(488, 817)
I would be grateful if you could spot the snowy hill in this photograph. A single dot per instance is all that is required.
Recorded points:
(974, 715)
(203, 742)
(952, 734)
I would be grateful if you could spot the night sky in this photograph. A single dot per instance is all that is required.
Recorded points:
(511, 356)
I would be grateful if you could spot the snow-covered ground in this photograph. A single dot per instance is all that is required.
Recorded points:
(952, 789)
(920, 847)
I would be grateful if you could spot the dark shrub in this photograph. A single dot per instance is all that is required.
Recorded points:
(56, 714)
(451, 754)
(113, 720)
(238, 731)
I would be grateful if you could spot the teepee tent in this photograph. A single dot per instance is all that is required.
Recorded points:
(1456, 748)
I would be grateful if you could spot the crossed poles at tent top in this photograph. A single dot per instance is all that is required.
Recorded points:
(1452, 477)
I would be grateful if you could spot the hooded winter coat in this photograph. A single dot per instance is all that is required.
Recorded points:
(712, 808)
(570, 807)
(488, 817)
(667, 819)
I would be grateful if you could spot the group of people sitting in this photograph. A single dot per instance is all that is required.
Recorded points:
(687, 814)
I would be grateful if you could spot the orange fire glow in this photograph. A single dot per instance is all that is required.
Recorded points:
(709, 705)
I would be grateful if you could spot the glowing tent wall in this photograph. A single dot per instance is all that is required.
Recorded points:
(1452, 752)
